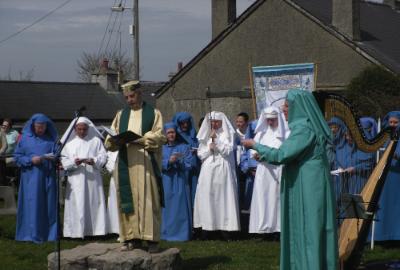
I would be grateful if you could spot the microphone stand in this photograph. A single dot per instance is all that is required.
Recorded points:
(208, 94)
(78, 113)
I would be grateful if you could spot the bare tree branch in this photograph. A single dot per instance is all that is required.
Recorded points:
(89, 63)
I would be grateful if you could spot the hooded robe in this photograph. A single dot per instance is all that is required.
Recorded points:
(37, 205)
(308, 224)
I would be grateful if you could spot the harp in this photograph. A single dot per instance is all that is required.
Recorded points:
(354, 232)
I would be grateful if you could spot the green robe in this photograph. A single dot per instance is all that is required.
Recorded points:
(308, 226)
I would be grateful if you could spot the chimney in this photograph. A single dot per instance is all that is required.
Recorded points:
(223, 13)
(106, 77)
(346, 18)
(104, 66)
(394, 4)
(180, 66)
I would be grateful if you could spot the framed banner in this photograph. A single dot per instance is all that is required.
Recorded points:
(271, 83)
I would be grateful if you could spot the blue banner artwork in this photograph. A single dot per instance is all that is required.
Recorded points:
(271, 83)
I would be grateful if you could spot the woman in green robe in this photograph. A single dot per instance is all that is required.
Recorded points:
(308, 227)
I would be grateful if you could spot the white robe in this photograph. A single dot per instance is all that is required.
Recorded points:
(112, 204)
(239, 148)
(265, 201)
(85, 208)
(216, 201)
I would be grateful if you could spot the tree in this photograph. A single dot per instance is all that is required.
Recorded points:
(22, 75)
(375, 91)
(89, 63)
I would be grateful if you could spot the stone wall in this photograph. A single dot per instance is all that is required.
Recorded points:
(275, 33)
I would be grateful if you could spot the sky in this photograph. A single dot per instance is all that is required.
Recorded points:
(171, 31)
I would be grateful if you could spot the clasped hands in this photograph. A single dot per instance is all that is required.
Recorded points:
(213, 146)
(88, 161)
(175, 157)
(36, 160)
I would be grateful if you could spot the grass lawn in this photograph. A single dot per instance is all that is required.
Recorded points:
(244, 254)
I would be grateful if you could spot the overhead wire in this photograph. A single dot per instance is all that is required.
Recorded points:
(106, 31)
(111, 32)
(118, 37)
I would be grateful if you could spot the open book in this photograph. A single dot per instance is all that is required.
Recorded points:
(122, 138)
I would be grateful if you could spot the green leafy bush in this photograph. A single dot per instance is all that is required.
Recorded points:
(374, 92)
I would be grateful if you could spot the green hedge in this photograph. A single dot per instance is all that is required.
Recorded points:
(374, 92)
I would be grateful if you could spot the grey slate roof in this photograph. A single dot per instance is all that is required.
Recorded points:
(380, 29)
(379, 25)
(59, 100)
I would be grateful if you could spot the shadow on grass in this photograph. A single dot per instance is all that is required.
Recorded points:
(383, 265)
(7, 227)
(204, 262)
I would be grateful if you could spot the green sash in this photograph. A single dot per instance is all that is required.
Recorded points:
(126, 198)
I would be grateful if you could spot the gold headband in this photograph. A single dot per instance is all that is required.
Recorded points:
(130, 86)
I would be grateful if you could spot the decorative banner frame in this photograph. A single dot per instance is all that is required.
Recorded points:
(271, 83)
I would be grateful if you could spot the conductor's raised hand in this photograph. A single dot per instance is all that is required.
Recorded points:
(248, 143)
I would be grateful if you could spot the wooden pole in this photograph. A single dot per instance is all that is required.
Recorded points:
(315, 75)
(253, 98)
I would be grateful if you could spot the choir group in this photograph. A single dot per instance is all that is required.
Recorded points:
(283, 164)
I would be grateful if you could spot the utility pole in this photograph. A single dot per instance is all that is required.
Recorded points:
(134, 31)
(135, 11)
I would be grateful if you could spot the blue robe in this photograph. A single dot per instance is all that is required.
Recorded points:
(190, 139)
(387, 226)
(363, 163)
(247, 165)
(37, 204)
(176, 223)
(338, 141)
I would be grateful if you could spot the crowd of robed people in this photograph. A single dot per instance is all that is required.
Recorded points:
(172, 183)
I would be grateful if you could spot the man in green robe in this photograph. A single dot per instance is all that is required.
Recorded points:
(137, 173)
(308, 226)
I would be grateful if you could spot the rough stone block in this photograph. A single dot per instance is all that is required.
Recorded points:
(102, 256)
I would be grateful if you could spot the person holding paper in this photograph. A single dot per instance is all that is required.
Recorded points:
(37, 205)
(265, 204)
(137, 174)
(356, 165)
(83, 158)
(216, 206)
(176, 222)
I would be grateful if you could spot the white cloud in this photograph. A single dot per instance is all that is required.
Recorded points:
(171, 31)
